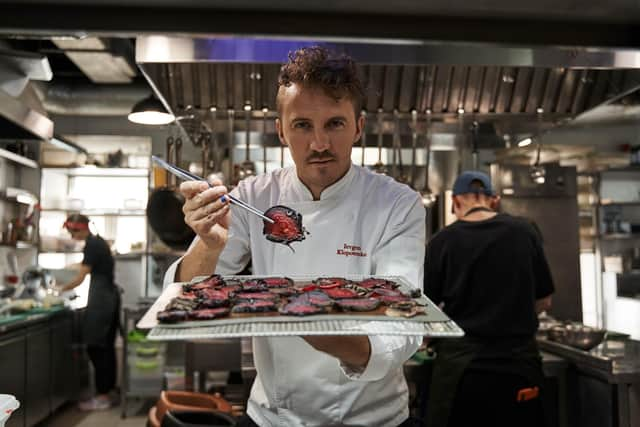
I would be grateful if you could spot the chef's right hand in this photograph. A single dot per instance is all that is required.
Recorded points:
(205, 213)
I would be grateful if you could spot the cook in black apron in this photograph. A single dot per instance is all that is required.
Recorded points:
(101, 317)
(489, 272)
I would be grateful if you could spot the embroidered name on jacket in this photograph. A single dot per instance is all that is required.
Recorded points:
(351, 250)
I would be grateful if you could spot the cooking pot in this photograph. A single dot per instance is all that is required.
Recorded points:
(166, 219)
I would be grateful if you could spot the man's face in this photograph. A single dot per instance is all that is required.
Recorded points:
(320, 133)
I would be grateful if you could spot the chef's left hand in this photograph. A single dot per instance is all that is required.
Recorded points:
(353, 352)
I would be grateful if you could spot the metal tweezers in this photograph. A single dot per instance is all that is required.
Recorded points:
(188, 176)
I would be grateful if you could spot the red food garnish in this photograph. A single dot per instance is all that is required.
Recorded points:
(208, 314)
(330, 282)
(287, 226)
(278, 282)
(377, 283)
(340, 293)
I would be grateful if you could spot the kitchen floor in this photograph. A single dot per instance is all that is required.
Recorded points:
(70, 416)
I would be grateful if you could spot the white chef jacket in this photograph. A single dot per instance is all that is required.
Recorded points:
(365, 223)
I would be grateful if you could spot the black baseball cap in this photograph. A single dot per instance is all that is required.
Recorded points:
(464, 180)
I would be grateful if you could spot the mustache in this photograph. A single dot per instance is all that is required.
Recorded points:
(323, 155)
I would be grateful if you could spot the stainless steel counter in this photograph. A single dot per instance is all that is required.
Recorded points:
(615, 361)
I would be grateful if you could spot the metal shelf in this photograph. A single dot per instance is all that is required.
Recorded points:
(619, 236)
(620, 204)
(19, 245)
(90, 212)
(16, 158)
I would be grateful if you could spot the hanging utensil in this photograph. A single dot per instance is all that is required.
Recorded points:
(247, 168)
(187, 176)
(428, 198)
(264, 139)
(363, 137)
(474, 144)
(169, 150)
(214, 161)
(398, 168)
(379, 167)
(230, 144)
(414, 143)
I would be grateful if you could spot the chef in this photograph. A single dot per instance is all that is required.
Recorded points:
(101, 317)
(490, 273)
(359, 223)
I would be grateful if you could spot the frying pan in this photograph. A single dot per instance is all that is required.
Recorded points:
(164, 209)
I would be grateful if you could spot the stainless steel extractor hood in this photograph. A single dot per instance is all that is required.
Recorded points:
(18, 119)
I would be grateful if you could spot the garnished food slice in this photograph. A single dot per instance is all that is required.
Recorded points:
(284, 292)
(287, 226)
(404, 309)
(254, 285)
(215, 280)
(317, 298)
(358, 304)
(278, 282)
(229, 289)
(172, 316)
(301, 309)
(309, 288)
(208, 314)
(378, 283)
(390, 299)
(330, 282)
(182, 304)
(340, 293)
(251, 296)
(256, 306)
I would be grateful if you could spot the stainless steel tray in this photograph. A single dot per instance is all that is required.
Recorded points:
(434, 323)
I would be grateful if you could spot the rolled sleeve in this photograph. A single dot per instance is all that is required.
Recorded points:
(387, 354)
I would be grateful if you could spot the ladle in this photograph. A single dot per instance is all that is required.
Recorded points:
(379, 167)
(428, 198)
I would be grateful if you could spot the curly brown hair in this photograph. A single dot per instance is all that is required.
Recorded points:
(317, 67)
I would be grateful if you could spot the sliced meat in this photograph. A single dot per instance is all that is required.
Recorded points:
(189, 295)
(212, 298)
(330, 282)
(340, 293)
(284, 292)
(390, 299)
(208, 314)
(278, 282)
(254, 285)
(215, 280)
(358, 304)
(287, 226)
(309, 288)
(251, 296)
(172, 316)
(230, 289)
(182, 304)
(256, 306)
(378, 283)
(301, 309)
(316, 298)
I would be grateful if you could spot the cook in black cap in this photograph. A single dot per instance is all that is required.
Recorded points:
(489, 273)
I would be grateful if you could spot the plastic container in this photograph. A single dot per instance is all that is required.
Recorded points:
(8, 404)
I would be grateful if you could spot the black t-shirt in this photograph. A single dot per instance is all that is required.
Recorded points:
(98, 256)
(489, 274)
